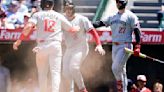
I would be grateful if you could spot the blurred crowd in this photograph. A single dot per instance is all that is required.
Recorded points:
(141, 85)
(15, 13)
(160, 18)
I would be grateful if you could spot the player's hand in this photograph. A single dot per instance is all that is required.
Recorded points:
(100, 49)
(137, 50)
(36, 49)
(16, 44)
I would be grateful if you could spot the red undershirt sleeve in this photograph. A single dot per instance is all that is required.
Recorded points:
(95, 35)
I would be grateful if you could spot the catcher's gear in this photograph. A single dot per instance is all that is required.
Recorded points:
(137, 50)
(123, 3)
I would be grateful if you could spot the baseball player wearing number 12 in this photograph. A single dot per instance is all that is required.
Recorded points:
(49, 37)
(76, 49)
(122, 24)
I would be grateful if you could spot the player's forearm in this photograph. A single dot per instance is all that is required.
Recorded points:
(137, 35)
(27, 30)
(96, 36)
(98, 24)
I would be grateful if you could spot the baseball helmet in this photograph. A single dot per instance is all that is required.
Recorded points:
(123, 3)
(47, 4)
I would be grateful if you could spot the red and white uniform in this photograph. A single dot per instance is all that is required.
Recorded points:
(48, 55)
(76, 51)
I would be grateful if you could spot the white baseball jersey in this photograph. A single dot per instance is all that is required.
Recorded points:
(122, 26)
(72, 39)
(50, 23)
(76, 51)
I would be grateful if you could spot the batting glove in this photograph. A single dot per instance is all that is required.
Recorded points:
(137, 50)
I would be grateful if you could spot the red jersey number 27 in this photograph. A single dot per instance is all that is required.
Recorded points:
(49, 25)
(121, 30)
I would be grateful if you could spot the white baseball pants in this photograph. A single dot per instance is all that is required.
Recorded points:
(120, 58)
(49, 56)
(72, 60)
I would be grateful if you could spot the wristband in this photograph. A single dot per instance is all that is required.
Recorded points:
(22, 36)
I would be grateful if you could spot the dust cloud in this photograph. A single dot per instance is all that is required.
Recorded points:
(96, 69)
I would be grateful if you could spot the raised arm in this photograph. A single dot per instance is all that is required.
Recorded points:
(27, 30)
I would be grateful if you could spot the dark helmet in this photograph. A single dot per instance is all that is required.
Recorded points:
(123, 3)
(47, 4)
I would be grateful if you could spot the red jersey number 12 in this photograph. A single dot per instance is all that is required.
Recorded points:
(49, 25)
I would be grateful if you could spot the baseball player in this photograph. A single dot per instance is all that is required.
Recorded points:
(77, 48)
(122, 24)
(49, 36)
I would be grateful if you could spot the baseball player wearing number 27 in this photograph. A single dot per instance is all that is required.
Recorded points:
(76, 49)
(48, 51)
(122, 24)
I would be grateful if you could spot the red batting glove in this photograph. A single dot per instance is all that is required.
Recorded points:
(137, 50)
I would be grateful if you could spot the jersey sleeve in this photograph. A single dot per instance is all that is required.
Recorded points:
(33, 19)
(134, 22)
(66, 25)
(106, 21)
(87, 24)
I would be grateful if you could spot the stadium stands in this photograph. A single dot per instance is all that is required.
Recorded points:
(147, 12)
(86, 7)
